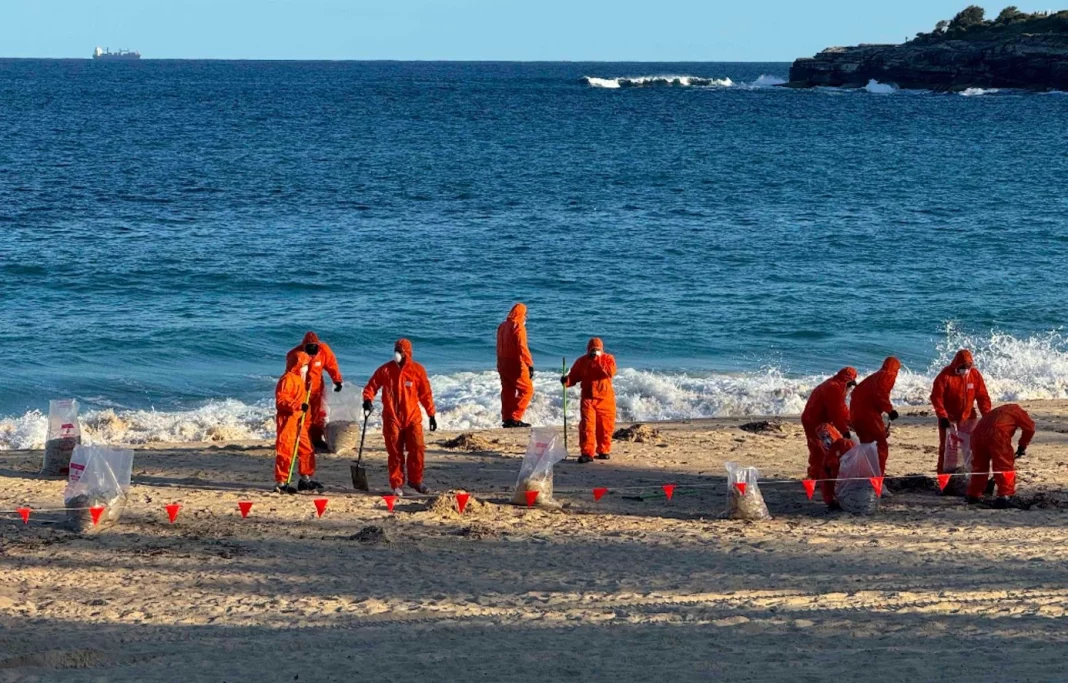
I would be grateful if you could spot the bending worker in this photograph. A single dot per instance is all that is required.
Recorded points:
(832, 447)
(956, 390)
(827, 404)
(870, 400)
(515, 366)
(597, 414)
(289, 399)
(322, 358)
(992, 445)
(404, 386)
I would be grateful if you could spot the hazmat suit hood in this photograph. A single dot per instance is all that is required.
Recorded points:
(518, 314)
(963, 357)
(311, 338)
(891, 366)
(405, 347)
(827, 434)
(295, 361)
(595, 344)
(846, 375)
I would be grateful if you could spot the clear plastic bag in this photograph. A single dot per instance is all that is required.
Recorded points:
(544, 450)
(749, 505)
(957, 460)
(344, 415)
(99, 476)
(64, 434)
(853, 490)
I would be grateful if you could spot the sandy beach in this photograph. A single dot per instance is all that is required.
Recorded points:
(631, 587)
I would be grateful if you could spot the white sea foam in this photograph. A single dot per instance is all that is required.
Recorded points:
(645, 81)
(976, 92)
(766, 81)
(878, 88)
(1015, 369)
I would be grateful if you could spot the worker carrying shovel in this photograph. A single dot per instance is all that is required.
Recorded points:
(404, 386)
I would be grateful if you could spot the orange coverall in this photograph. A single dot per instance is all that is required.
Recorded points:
(513, 364)
(827, 404)
(992, 444)
(597, 412)
(404, 389)
(324, 360)
(954, 397)
(289, 395)
(870, 400)
(832, 447)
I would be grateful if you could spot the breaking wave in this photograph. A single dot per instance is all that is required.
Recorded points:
(766, 81)
(653, 81)
(1015, 369)
(878, 88)
(976, 92)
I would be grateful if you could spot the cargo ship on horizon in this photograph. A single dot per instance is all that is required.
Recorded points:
(121, 55)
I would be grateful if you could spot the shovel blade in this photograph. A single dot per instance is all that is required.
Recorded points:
(359, 478)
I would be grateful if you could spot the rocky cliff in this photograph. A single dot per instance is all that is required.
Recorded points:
(1034, 61)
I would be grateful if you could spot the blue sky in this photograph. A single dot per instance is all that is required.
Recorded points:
(608, 30)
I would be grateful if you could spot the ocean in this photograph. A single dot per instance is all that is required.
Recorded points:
(172, 228)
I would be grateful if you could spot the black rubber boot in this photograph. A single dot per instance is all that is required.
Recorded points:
(603, 456)
(583, 459)
(972, 500)
(282, 487)
(309, 485)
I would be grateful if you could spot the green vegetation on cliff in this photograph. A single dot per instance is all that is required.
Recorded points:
(971, 24)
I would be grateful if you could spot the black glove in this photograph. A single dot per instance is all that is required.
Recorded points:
(563, 380)
(338, 386)
(1020, 452)
(368, 405)
(893, 415)
(531, 371)
(304, 407)
(433, 424)
(943, 422)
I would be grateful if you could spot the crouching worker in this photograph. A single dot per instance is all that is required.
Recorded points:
(597, 416)
(404, 386)
(292, 425)
(832, 447)
(992, 446)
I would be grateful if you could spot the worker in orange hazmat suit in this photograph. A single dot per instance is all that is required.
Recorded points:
(290, 396)
(832, 447)
(597, 411)
(827, 404)
(992, 445)
(957, 389)
(405, 386)
(515, 366)
(322, 359)
(870, 400)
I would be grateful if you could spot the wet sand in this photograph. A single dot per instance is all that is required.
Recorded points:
(624, 588)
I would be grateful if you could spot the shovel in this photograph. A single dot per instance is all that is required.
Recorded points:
(359, 474)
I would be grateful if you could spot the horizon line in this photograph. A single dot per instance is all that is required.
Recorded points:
(396, 60)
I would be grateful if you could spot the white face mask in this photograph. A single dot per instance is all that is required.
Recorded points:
(963, 371)
(398, 357)
(304, 372)
(597, 352)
